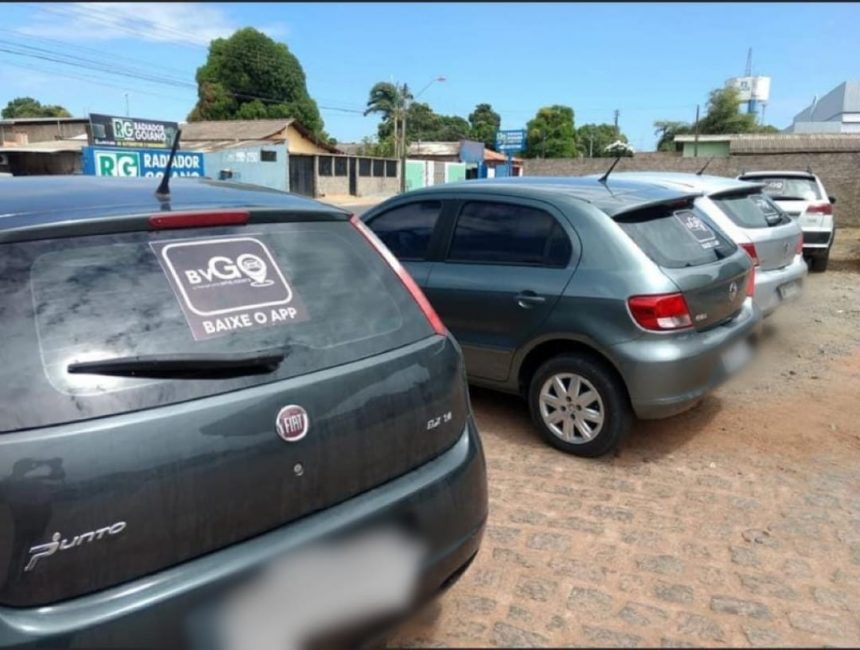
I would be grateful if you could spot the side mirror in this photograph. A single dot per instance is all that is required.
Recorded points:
(832, 200)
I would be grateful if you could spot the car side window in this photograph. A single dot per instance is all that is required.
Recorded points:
(503, 233)
(407, 229)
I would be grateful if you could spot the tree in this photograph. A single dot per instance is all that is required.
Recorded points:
(250, 76)
(551, 134)
(29, 107)
(592, 139)
(666, 130)
(723, 115)
(484, 122)
(389, 100)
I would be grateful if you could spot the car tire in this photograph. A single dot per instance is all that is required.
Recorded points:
(818, 263)
(612, 403)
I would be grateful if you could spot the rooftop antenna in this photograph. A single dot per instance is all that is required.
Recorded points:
(749, 63)
(603, 178)
(163, 191)
(702, 170)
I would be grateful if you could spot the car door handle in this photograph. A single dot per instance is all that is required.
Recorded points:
(528, 299)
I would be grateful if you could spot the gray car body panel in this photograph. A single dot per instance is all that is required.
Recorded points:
(592, 308)
(775, 246)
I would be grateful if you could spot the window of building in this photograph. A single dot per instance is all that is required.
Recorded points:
(391, 168)
(267, 155)
(340, 166)
(325, 165)
(364, 166)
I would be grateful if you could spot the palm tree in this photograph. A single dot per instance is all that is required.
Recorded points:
(390, 101)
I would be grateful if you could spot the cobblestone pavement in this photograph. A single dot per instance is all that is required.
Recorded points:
(735, 524)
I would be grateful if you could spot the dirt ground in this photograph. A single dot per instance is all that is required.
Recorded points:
(734, 524)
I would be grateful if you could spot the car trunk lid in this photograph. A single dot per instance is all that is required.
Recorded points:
(710, 271)
(107, 478)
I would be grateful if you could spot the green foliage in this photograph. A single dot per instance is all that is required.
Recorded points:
(551, 133)
(483, 123)
(371, 147)
(250, 76)
(723, 116)
(593, 139)
(29, 107)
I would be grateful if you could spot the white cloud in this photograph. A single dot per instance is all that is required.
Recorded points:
(180, 23)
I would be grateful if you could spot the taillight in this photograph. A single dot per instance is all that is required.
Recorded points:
(820, 208)
(171, 220)
(403, 274)
(666, 311)
(751, 251)
(798, 247)
(751, 282)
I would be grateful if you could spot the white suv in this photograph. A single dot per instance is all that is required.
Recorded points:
(802, 196)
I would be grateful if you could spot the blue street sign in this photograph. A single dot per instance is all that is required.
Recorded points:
(139, 162)
(511, 140)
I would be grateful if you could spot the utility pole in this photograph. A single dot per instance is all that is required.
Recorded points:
(696, 140)
(127, 113)
(591, 146)
(616, 113)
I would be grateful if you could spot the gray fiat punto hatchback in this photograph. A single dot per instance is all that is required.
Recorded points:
(196, 388)
(595, 300)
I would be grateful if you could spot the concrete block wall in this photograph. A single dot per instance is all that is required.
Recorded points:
(840, 172)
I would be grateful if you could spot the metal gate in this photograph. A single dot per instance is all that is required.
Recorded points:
(302, 175)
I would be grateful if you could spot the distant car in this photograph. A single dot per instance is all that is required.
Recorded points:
(755, 223)
(802, 196)
(194, 389)
(595, 301)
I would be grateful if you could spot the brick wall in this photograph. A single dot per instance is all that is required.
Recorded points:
(840, 172)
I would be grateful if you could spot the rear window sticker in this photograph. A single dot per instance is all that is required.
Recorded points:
(699, 229)
(227, 284)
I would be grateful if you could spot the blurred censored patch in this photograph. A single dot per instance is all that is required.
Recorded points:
(331, 586)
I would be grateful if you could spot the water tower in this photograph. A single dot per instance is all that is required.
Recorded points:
(754, 91)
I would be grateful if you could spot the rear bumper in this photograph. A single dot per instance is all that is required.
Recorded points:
(446, 499)
(767, 284)
(666, 375)
(817, 238)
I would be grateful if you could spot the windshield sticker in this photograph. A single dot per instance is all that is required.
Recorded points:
(228, 284)
(699, 229)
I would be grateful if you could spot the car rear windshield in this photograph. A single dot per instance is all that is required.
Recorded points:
(316, 291)
(789, 188)
(752, 210)
(676, 238)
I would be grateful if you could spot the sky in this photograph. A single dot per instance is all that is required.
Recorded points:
(649, 61)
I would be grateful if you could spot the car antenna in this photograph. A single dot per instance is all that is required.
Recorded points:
(809, 170)
(702, 170)
(163, 191)
(603, 178)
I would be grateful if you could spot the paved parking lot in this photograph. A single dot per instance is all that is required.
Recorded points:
(735, 524)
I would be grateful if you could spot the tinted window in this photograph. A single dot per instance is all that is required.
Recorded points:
(752, 210)
(406, 230)
(109, 296)
(508, 234)
(789, 189)
(676, 239)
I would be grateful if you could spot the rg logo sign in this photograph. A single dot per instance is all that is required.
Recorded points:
(117, 164)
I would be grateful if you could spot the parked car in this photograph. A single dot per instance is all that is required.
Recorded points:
(192, 388)
(755, 223)
(595, 301)
(802, 196)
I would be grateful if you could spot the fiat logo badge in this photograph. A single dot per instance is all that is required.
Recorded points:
(292, 423)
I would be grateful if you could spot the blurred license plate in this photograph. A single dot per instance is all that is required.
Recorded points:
(737, 356)
(789, 290)
(319, 588)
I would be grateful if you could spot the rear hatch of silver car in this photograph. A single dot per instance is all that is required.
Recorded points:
(773, 233)
(164, 394)
(707, 267)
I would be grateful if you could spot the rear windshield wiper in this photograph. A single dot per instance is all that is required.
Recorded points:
(185, 366)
